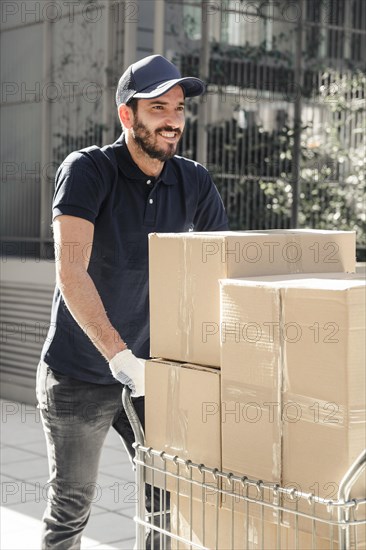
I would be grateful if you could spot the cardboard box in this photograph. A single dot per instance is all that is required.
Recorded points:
(300, 341)
(211, 527)
(219, 528)
(305, 540)
(182, 411)
(324, 529)
(330, 537)
(251, 381)
(324, 386)
(185, 269)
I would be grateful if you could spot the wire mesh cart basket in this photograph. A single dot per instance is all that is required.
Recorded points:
(193, 506)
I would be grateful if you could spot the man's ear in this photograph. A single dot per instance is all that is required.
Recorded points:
(125, 115)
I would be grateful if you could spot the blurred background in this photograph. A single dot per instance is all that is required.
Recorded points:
(281, 128)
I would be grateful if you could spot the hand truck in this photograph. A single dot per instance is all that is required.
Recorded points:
(343, 519)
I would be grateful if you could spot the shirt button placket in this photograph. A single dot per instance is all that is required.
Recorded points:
(150, 210)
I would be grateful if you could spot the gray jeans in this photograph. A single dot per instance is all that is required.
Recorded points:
(76, 417)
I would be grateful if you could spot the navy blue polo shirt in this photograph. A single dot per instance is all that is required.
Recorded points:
(106, 187)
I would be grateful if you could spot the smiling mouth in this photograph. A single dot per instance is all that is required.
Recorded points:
(168, 135)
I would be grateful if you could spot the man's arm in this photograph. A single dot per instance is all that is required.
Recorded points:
(73, 236)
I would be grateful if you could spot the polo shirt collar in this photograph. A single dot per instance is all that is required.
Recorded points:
(130, 169)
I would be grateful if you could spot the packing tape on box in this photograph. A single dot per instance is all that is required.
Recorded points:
(186, 305)
(318, 411)
(282, 350)
(177, 421)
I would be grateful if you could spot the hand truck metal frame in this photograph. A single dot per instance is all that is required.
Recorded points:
(340, 515)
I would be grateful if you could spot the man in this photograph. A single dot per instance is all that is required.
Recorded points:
(106, 203)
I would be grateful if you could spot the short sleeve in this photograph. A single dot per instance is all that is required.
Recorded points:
(210, 214)
(80, 188)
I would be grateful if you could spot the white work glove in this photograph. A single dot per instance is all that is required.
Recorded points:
(130, 371)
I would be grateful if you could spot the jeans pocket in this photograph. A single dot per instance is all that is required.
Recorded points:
(41, 386)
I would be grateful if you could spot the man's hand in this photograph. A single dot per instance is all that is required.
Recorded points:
(130, 371)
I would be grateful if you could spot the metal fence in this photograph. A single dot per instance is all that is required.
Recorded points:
(251, 153)
(282, 123)
(287, 116)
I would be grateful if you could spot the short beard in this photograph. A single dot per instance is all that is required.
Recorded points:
(143, 138)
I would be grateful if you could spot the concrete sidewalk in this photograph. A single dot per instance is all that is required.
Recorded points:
(24, 472)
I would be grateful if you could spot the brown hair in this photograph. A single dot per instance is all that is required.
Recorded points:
(133, 104)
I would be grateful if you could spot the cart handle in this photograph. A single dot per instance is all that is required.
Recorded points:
(351, 476)
(132, 416)
(344, 490)
(139, 471)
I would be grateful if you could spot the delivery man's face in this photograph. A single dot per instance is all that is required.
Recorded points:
(158, 124)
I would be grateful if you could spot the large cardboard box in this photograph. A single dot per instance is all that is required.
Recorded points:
(182, 411)
(226, 530)
(324, 386)
(306, 540)
(212, 527)
(251, 381)
(185, 269)
(293, 360)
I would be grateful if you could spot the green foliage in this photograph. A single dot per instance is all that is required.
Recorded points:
(257, 53)
(279, 196)
(332, 164)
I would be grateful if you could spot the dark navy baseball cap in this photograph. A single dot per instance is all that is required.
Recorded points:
(152, 77)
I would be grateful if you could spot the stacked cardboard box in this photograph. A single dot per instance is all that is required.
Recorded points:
(185, 269)
(187, 330)
(293, 368)
(179, 403)
(203, 524)
(211, 527)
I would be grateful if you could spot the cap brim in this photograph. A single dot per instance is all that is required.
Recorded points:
(192, 87)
